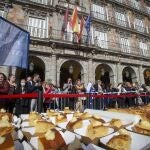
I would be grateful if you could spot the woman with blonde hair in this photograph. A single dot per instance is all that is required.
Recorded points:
(80, 90)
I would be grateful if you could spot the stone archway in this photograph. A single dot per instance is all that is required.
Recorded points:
(104, 73)
(71, 69)
(36, 65)
(146, 74)
(129, 75)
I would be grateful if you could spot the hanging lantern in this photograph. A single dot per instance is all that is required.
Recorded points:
(71, 69)
(31, 66)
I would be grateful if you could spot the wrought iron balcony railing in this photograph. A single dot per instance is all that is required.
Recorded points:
(64, 3)
(43, 2)
(99, 16)
(71, 38)
(130, 3)
(122, 23)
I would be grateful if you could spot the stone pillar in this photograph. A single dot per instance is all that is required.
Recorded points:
(141, 75)
(90, 70)
(119, 72)
(13, 70)
(47, 68)
(5, 70)
(54, 69)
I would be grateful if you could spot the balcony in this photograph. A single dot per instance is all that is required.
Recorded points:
(69, 38)
(131, 5)
(64, 4)
(99, 16)
(43, 2)
(120, 23)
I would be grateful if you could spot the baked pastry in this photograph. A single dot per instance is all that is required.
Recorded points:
(33, 116)
(42, 126)
(61, 118)
(124, 132)
(5, 130)
(116, 123)
(52, 140)
(96, 121)
(6, 142)
(6, 116)
(4, 123)
(120, 142)
(142, 127)
(85, 115)
(74, 124)
(77, 114)
(67, 110)
(51, 113)
(98, 131)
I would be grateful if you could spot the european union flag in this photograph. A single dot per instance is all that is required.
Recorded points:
(87, 27)
(14, 45)
(88, 24)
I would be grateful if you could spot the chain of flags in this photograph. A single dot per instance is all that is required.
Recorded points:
(74, 21)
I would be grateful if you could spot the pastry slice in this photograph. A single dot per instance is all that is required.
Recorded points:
(98, 131)
(61, 118)
(52, 140)
(67, 110)
(120, 142)
(42, 126)
(142, 127)
(116, 123)
(85, 115)
(74, 124)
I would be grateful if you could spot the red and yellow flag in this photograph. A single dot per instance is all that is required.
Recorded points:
(74, 21)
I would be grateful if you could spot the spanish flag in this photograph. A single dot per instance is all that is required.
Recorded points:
(74, 21)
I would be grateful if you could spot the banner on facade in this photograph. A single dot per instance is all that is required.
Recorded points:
(14, 45)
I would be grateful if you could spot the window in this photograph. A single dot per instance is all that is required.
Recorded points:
(38, 27)
(40, 1)
(125, 45)
(143, 47)
(69, 34)
(120, 19)
(148, 9)
(1, 13)
(101, 39)
(98, 12)
(139, 25)
(135, 4)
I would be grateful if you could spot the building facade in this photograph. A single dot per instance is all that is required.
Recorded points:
(117, 50)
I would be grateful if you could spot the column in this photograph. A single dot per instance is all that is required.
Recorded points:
(54, 69)
(5, 70)
(119, 72)
(13, 70)
(141, 75)
(90, 70)
(47, 69)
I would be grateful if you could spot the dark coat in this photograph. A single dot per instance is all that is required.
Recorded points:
(22, 105)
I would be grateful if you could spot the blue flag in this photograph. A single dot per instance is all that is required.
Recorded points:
(88, 24)
(87, 27)
(14, 45)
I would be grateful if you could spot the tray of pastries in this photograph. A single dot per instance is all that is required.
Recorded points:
(125, 140)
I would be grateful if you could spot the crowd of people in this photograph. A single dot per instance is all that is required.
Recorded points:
(34, 84)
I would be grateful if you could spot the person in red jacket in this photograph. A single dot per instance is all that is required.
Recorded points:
(4, 89)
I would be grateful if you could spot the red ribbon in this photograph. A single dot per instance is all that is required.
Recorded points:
(15, 96)
(49, 96)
